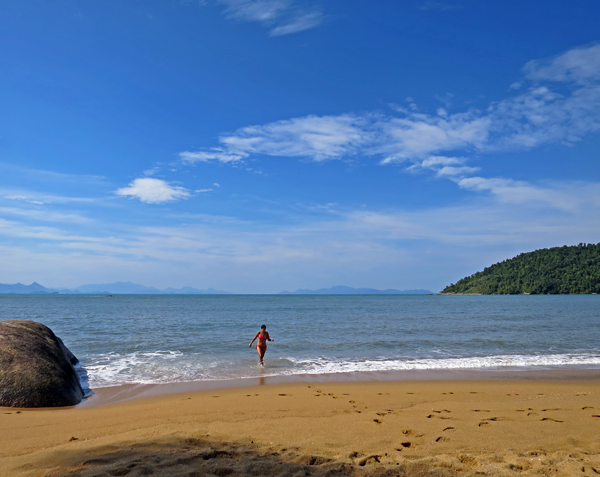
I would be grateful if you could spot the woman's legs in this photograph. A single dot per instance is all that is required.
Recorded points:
(261, 353)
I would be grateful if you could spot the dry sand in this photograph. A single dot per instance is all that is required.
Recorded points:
(434, 428)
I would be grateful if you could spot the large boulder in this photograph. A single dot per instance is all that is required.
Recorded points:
(36, 368)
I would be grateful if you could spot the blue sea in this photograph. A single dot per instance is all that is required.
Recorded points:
(126, 339)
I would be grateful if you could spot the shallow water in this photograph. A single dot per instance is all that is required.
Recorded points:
(165, 338)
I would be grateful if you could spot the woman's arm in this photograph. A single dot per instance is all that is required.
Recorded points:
(269, 337)
(255, 336)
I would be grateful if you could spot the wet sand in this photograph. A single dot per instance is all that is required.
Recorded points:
(128, 392)
(412, 428)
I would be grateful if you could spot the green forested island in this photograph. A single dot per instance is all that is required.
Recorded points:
(557, 270)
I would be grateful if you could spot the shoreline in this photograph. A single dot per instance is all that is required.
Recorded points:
(128, 392)
(433, 428)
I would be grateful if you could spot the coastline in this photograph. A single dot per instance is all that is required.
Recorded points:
(469, 423)
(128, 392)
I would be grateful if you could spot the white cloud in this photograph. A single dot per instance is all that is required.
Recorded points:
(216, 185)
(153, 191)
(45, 215)
(40, 198)
(579, 65)
(456, 171)
(444, 166)
(317, 137)
(419, 135)
(24, 198)
(214, 154)
(433, 161)
(204, 190)
(282, 17)
(566, 196)
(539, 115)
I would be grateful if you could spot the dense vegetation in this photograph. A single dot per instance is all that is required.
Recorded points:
(557, 270)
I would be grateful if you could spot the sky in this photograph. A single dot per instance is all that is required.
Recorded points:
(255, 146)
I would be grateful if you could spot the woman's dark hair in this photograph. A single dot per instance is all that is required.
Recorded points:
(263, 327)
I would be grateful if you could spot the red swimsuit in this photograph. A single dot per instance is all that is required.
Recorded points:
(261, 337)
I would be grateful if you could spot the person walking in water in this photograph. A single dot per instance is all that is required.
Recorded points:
(261, 344)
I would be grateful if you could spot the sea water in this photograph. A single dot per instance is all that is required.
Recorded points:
(177, 338)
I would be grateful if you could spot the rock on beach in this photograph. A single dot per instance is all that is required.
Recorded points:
(36, 368)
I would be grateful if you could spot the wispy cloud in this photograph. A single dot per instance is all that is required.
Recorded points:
(579, 65)
(44, 215)
(153, 191)
(41, 198)
(24, 198)
(560, 105)
(444, 166)
(348, 243)
(540, 115)
(213, 154)
(563, 196)
(282, 17)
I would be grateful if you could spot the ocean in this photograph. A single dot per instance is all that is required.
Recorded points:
(127, 339)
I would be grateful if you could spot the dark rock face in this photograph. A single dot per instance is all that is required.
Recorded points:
(36, 368)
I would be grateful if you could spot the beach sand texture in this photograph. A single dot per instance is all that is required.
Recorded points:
(432, 428)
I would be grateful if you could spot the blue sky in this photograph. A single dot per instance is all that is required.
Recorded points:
(268, 145)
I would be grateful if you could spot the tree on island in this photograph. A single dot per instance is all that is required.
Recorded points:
(549, 271)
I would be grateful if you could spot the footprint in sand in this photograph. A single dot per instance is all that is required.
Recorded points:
(433, 416)
(483, 424)
(377, 421)
(587, 407)
(282, 394)
(410, 432)
(550, 419)
(532, 414)
(449, 429)
(442, 439)
(481, 410)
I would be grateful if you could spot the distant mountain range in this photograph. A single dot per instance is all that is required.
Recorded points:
(128, 288)
(119, 288)
(21, 289)
(342, 290)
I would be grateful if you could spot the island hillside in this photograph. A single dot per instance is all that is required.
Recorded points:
(558, 270)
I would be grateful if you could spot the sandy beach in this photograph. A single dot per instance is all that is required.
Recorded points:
(420, 428)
